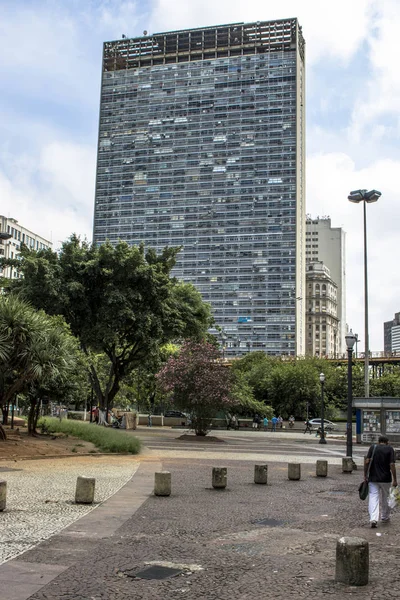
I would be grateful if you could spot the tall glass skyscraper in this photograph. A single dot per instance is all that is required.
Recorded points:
(202, 145)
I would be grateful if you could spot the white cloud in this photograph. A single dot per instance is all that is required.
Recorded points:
(54, 194)
(379, 97)
(50, 70)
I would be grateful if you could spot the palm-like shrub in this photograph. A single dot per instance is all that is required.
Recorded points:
(35, 350)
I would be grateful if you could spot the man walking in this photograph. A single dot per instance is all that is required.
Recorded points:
(382, 475)
(308, 427)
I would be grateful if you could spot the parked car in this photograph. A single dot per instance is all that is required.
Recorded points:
(328, 425)
(175, 413)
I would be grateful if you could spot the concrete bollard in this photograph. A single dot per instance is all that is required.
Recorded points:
(322, 468)
(84, 493)
(3, 494)
(347, 464)
(352, 561)
(162, 483)
(261, 474)
(294, 471)
(219, 477)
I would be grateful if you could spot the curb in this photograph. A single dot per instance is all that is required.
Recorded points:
(71, 455)
(20, 579)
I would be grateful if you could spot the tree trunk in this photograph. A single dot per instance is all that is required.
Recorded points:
(32, 421)
(4, 410)
(201, 424)
(105, 399)
(36, 415)
(3, 435)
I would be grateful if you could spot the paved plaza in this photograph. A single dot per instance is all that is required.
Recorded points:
(246, 542)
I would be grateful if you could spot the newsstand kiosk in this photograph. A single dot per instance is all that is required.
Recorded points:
(375, 417)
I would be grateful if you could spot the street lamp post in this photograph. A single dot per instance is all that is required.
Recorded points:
(322, 439)
(224, 337)
(350, 341)
(365, 196)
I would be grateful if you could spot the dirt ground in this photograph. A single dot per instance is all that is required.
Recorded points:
(19, 445)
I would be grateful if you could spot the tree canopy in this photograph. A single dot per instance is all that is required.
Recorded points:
(293, 386)
(120, 300)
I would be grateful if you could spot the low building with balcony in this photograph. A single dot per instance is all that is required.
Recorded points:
(12, 235)
(322, 322)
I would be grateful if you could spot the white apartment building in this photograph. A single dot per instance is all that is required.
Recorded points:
(328, 244)
(12, 235)
(321, 312)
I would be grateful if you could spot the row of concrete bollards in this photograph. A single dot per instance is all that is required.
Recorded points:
(3, 494)
(84, 491)
(85, 486)
(162, 484)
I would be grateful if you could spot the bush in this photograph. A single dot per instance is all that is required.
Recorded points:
(75, 416)
(104, 438)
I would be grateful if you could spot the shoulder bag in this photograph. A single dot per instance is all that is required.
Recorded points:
(363, 487)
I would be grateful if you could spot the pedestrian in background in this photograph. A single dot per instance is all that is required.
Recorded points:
(382, 476)
(308, 427)
(280, 421)
(265, 423)
(274, 422)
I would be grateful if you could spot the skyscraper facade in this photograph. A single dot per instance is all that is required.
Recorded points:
(202, 145)
(391, 336)
(328, 244)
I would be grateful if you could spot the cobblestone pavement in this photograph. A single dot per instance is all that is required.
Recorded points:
(223, 545)
(40, 496)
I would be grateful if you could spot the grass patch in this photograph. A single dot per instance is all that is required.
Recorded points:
(106, 439)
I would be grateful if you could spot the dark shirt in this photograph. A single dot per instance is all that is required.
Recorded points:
(380, 466)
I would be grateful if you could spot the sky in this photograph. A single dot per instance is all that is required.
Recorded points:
(50, 69)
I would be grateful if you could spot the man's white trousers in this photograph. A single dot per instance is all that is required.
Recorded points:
(378, 499)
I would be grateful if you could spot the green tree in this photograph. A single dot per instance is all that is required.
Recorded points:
(120, 301)
(388, 384)
(293, 386)
(40, 349)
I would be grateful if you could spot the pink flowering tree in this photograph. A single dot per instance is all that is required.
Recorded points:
(198, 383)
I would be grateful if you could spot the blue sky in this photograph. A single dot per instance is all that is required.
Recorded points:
(50, 71)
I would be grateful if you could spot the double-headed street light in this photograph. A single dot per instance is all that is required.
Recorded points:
(350, 341)
(366, 197)
(322, 439)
